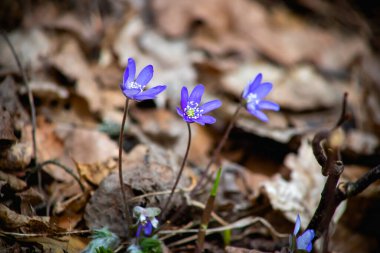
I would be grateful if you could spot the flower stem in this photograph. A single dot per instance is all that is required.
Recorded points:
(126, 211)
(179, 174)
(217, 151)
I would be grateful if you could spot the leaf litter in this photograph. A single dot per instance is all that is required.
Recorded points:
(75, 58)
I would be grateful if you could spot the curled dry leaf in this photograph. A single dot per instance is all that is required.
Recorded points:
(14, 222)
(301, 193)
(145, 170)
(17, 157)
(13, 182)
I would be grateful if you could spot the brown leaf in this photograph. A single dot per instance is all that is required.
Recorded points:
(14, 183)
(145, 170)
(94, 173)
(17, 157)
(12, 221)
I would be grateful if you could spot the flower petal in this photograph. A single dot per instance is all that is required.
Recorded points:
(304, 241)
(206, 119)
(130, 93)
(262, 90)
(139, 230)
(154, 222)
(179, 111)
(209, 106)
(255, 83)
(148, 228)
(196, 94)
(150, 94)
(257, 113)
(145, 76)
(184, 97)
(268, 105)
(298, 225)
(130, 72)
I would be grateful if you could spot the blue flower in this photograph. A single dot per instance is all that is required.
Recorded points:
(146, 219)
(133, 88)
(305, 241)
(253, 95)
(191, 111)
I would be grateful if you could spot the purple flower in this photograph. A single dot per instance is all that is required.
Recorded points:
(253, 95)
(146, 219)
(305, 241)
(191, 110)
(133, 88)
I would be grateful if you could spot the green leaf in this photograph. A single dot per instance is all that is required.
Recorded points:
(216, 183)
(227, 237)
(151, 245)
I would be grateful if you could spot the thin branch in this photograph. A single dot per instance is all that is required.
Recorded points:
(31, 103)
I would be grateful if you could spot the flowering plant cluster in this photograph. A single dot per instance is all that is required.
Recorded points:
(192, 110)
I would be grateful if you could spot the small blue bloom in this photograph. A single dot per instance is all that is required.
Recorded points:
(146, 219)
(253, 95)
(305, 241)
(191, 111)
(133, 88)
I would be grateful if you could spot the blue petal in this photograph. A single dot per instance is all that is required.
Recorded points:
(209, 106)
(262, 90)
(145, 76)
(150, 94)
(130, 93)
(298, 225)
(309, 247)
(196, 94)
(179, 111)
(304, 241)
(257, 113)
(268, 105)
(184, 97)
(148, 228)
(253, 85)
(130, 72)
(139, 230)
(206, 119)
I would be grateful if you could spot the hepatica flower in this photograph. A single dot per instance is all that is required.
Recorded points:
(253, 95)
(133, 88)
(191, 109)
(304, 242)
(146, 219)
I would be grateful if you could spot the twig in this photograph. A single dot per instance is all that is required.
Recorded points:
(164, 210)
(207, 214)
(238, 224)
(31, 103)
(45, 234)
(65, 168)
(126, 211)
(328, 156)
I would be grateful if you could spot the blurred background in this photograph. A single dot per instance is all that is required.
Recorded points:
(74, 54)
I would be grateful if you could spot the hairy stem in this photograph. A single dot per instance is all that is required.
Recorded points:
(126, 211)
(217, 151)
(164, 210)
